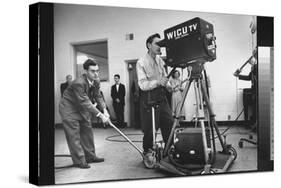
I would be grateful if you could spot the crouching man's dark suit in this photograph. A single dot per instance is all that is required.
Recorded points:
(76, 108)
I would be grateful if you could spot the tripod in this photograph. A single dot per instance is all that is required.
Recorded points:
(196, 77)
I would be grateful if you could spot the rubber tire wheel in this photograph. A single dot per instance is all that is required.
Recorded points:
(234, 152)
(211, 172)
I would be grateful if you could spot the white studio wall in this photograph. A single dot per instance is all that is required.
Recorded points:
(78, 23)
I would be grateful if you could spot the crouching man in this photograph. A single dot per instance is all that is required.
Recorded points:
(81, 100)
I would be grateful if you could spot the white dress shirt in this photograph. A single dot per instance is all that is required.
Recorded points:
(149, 71)
(117, 87)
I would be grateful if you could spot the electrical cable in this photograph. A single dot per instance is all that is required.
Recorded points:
(239, 132)
(117, 135)
(231, 125)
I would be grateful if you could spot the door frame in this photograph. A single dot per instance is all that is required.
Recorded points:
(127, 62)
(73, 54)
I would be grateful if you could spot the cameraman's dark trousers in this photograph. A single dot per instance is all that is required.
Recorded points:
(163, 120)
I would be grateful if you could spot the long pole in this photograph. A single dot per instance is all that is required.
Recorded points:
(122, 134)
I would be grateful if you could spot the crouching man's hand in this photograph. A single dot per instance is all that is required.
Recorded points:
(105, 119)
(105, 112)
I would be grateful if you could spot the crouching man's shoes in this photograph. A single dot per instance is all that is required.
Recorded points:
(82, 165)
(95, 160)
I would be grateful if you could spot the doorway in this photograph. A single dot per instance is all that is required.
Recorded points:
(134, 95)
(97, 51)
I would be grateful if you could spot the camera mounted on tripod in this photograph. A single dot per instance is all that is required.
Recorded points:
(191, 42)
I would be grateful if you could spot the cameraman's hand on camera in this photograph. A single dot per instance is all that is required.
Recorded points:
(237, 72)
(181, 89)
(163, 81)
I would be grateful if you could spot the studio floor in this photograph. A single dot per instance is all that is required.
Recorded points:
(123, 162)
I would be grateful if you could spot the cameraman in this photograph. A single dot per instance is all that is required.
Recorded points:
(152, 81)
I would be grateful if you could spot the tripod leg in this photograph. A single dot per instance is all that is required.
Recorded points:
(204, 141)
(212, 115)
(213, 136)
(205, 78)
(201, 116)
(176, 120)
(197, 103)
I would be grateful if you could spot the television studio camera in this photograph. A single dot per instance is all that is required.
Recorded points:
(192, 150)
(190, 42)
(190, 45)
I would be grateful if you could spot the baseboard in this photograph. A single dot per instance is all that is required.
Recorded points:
(94, 125)
(182, 124)
(219, 123)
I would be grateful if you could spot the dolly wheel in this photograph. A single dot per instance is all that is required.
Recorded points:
(233, 151)
(150, 160)
(210, 172)
(240, 144)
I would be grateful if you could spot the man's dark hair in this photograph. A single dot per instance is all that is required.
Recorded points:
(89, 62)
(150, 39)
(117, 75)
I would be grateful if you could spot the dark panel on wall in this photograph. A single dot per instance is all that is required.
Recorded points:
(265, 30)
(33, 99)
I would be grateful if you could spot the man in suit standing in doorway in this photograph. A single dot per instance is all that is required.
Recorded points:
(118, 97)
